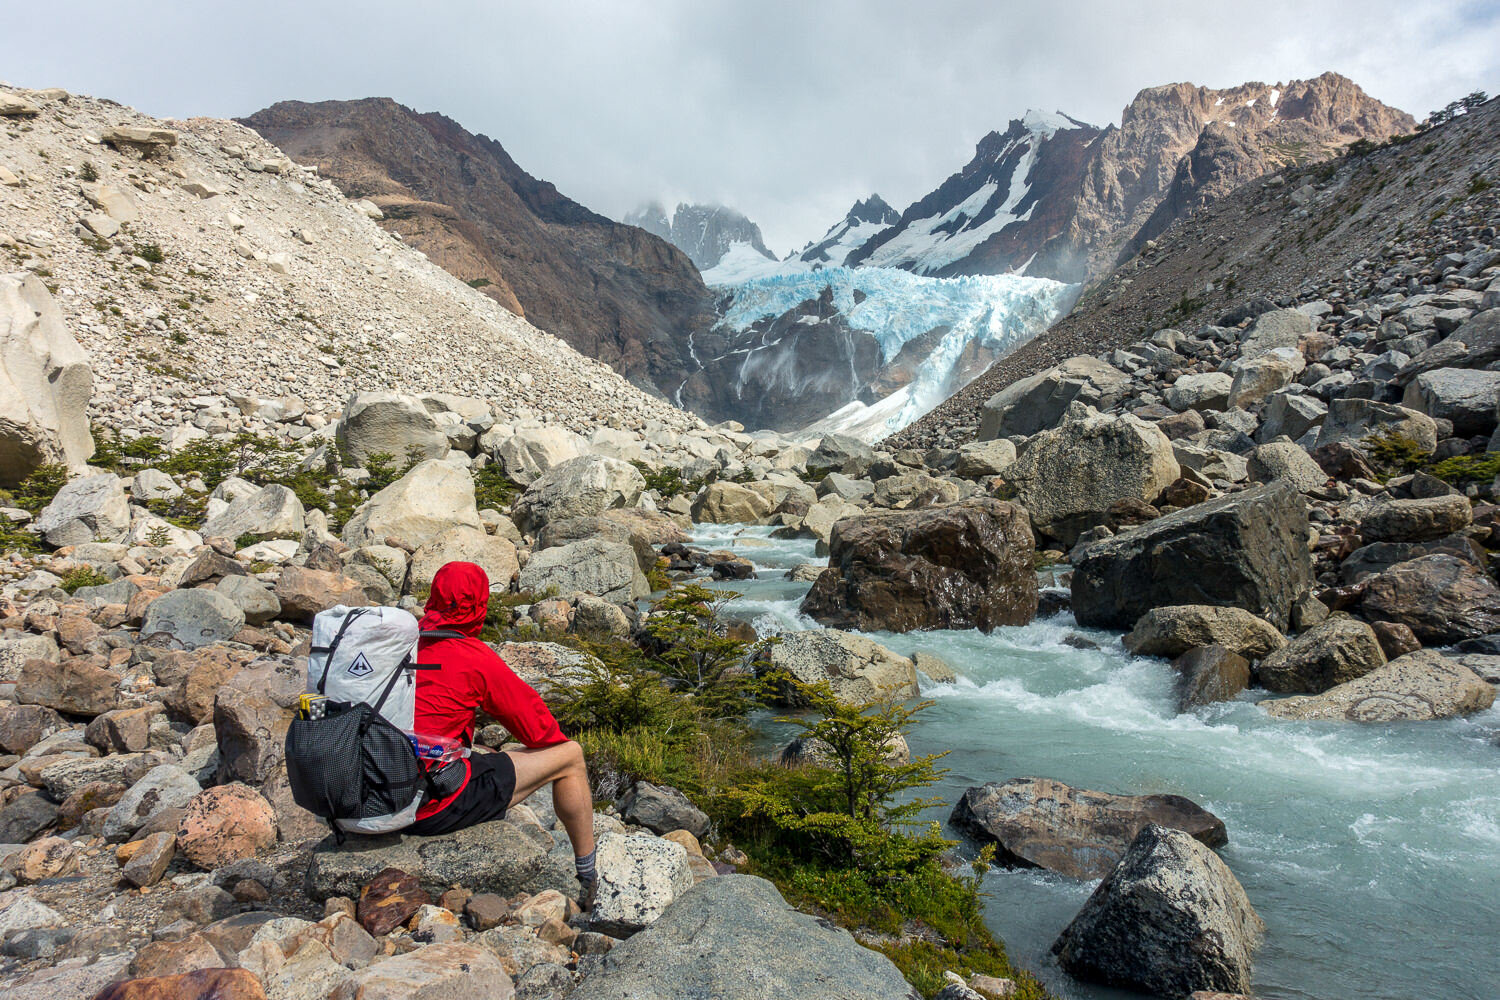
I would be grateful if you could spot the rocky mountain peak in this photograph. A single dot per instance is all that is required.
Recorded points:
(705, 232)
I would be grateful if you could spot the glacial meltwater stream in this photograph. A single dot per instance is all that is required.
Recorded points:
(1371, 852)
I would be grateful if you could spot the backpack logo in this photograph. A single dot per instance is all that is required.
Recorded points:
(361, 666)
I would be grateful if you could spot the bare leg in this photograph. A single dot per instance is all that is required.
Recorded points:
(562, 766)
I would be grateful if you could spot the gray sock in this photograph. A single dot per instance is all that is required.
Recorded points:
(585, 867)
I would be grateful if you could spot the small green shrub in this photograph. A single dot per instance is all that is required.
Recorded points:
(493, 489)
(88, 173)
(668, 482)
(82, 576)
(479, 282)
(151, 253)
(1393, 453)
(1467, 468)
(37, 489)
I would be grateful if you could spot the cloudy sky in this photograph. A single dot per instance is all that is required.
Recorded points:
(786, 111)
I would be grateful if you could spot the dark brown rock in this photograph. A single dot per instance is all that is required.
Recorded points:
(1041, 823)
(1441, 599)
(23, 726)
(389, 901)
(966, 565)
(150, 860)
(91, 796)
(305, 592)
(486, 910)
(78, 686)
(1208, 674)
(1395, 639)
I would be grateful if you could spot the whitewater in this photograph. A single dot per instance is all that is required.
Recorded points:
(1369, 850)
(999, 312)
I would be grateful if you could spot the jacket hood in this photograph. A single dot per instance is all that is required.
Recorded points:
(459, 599)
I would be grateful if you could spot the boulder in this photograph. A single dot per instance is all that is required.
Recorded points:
(529, 452)
(1461, 395)
(1416, 520)
(162, 788)
(303, 592)
(580, 487)
(153, 854)
(841, 453)
(639, 877)
(78, 686)
(662, 809)
(1363, 421)
(1041, 823)
(604, 569)
(1206, 674)
(967, 565)
(223, 824)
(1279, 328)
(836, 484)
(45, 383)
(199, 984)
(270, 512)
(1200, 391)
(734, 936)
(495, 555)
(254, 599)
(1442, 599)
(978, 459)
(388, 423)
(194, 618)
(1285, 460)
(915, 489)
(1417, 686)
(433, 497)
(1037, 403)
(859, 670)
(1173, 630)
(499, 857)
(1338, 650)
(1257, 378)
(1377, 557)
(87, 509)
(18, 647)
(1168, 920)
(1245, 550)
(608, 529)
(452, 970)
(24, 726)
(730, 503)
(1068, 476)
(823, 515)
(1291, 415)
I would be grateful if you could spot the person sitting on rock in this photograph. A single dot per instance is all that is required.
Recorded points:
(472, 676)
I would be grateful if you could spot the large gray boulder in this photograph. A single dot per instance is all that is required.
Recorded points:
(1274, 330)
(841, 453)
(1245, 550)
(195, 618)
(639, 878)
(500, 857)
(1041, 823)
(611, 528)
(1285, 460)
(1171, 919)
(1326, 655)
(1462, 395)
(730, 503)
(1037, 403)
(1257, 378)
(87, 509)
(1068, 476)
(967, 565)
(580, 487)
(1363, 421)
(164, 787)
(430, 499)
(735, 937)
(1291, 415)
(976, 459)
(45, 383)
(256, 601)
(388, 423)
(527, 453)
(858, 669)
(1200, 391)
(592, 566)
(662, 809)
(1173, 630)
(1417, 686)
(270, 512)
(462, 543)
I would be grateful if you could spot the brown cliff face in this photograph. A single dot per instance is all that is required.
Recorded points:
(1187, 146)
(613, 292)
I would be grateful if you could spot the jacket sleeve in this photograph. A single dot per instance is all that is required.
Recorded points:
(518, 707)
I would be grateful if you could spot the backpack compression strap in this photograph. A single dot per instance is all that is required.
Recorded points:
(332, 647)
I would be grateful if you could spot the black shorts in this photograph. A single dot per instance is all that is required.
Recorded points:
(492, 784)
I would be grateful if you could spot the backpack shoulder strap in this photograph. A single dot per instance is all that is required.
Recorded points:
(441, 633)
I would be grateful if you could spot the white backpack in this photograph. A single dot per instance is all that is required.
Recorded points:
(369, 655)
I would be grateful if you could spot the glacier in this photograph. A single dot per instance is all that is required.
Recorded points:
(999, 312)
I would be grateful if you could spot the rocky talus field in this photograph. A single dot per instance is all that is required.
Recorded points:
(232, 401)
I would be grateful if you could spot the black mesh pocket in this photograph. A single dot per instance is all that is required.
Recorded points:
(391, 772)
(325, 763)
